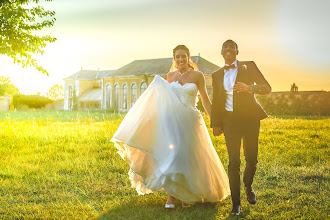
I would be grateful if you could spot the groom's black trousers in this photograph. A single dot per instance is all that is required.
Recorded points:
(235, 130)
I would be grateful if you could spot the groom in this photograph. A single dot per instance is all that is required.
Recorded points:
(237, 114)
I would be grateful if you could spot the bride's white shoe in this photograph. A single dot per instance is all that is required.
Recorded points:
(169, 206)
(172, 200)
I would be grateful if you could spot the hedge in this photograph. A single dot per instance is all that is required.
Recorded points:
(32, 101)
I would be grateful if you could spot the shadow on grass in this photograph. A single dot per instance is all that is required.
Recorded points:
(306, 117)
(316, 178)
(137, 209)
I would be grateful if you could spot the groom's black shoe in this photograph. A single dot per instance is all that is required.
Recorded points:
(250, 194)
(236, 210)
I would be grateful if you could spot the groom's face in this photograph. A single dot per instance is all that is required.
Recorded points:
(229, 51)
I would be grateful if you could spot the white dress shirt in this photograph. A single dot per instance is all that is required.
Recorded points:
(228, 84)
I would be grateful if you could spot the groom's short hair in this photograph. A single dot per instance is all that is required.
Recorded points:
(230, 41)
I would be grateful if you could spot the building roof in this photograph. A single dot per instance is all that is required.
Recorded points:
(142, 67)
(90, 74)
(160, 67)
(91, 95)
(105, 73)
(204, 65)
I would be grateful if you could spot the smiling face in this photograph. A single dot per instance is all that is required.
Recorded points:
(181, 59)
(229, 52)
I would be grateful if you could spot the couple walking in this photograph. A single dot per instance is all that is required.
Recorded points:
(166, 142)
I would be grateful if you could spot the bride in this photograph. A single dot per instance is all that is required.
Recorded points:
(165, 140)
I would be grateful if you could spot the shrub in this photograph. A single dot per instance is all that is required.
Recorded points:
(296, 103)
(31, 101)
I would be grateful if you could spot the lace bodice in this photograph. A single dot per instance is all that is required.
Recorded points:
(187, 93)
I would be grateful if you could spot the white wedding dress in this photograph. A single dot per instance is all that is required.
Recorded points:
(167, 145)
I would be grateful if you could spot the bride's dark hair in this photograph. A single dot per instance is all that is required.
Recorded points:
(191, 63)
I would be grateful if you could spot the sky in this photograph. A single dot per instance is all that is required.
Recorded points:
(287, 39)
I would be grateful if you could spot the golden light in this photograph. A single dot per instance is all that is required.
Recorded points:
(302, 32)
(171, 146)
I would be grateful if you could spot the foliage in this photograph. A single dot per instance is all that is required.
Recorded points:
(296, 103)
(31, 101)
(18, 26)
(55, 92)
(54, 169)
(6, 87)
(200, 106)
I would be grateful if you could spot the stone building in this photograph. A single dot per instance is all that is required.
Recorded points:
(119, 89)
(5, 102)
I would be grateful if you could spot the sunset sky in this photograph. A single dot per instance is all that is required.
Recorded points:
(288, 40)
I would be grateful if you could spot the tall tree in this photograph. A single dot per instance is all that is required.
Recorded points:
(19, 23)
(6, 87)
(55, 92)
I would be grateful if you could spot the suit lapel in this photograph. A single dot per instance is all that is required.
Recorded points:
(222, 74)
(239, 75)
(238, 79)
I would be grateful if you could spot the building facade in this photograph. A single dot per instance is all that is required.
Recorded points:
(119, 89)
(5, 102)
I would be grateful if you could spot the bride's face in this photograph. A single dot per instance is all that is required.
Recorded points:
(181, 59)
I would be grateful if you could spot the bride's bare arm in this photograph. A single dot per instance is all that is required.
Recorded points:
(168, 77)
(203, 92)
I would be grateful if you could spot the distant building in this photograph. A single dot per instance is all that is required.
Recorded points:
(55, 105)
(5, 103)
(294, 88)
(119, 89)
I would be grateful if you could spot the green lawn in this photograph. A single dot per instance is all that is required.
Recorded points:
(58, 116)
(61, 165)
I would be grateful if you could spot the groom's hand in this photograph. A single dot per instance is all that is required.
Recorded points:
(242, 87)
(217, 131)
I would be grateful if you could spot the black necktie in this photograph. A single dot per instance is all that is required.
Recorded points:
(229, 67)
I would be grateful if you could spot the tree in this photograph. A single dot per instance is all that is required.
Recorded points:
(18, 26)
(6, 87)
(55, 92)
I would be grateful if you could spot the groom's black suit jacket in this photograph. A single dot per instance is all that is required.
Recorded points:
(245, 105)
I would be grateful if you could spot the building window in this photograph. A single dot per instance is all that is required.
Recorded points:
(108, 96)
(117, 90)
(125, 93)
(143, 87)
(133, 93)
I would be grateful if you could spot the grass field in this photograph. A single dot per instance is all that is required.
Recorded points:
(61, 165)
